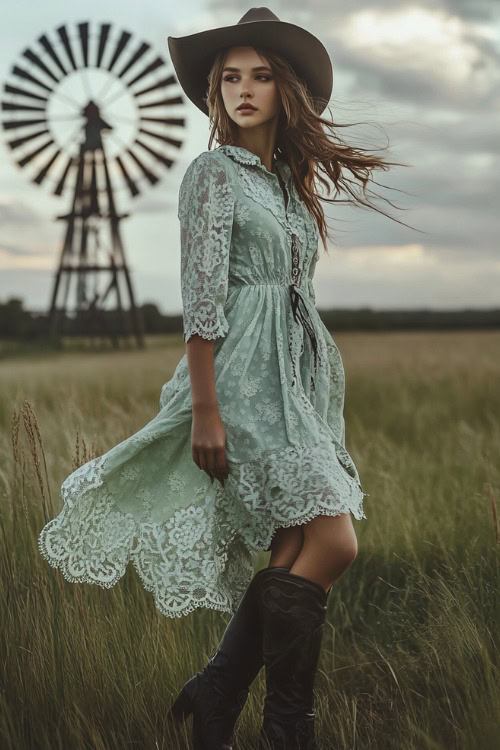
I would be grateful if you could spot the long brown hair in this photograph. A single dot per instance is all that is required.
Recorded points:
(302, 142)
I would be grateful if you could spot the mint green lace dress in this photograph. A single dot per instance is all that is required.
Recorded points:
(247, 262)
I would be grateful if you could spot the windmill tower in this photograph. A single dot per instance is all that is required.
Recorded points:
(87, 112)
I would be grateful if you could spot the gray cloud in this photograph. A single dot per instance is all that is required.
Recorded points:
(477, 10)
(18, 213)
(17, 251)
(467, 135)
(398, 79)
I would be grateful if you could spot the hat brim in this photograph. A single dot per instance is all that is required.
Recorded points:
(192, 56)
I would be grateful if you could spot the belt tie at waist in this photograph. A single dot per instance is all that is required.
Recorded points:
(301, 315)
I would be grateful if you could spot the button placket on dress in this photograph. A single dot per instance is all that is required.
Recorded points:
(300, 315)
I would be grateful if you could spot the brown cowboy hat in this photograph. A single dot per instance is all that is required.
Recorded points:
(192, 55)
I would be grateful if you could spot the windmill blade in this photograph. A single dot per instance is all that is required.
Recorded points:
(35, 59)
(148, 69)
(83, 31)
(120, 46)
(10, 124)
(164, 120)
(63, 36)
(22, 92)
(26, 160)
(135, 57)
(42, 174)
(134, 190)
(49, 49)
(21, 141)
(150, 176)
(21, 73)
(157, 155)
(12, 107)
(159, 85)
(62, 179)
(161, 137)
(103, 39)
(162, 103)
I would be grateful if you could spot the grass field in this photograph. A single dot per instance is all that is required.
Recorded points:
(410, 656)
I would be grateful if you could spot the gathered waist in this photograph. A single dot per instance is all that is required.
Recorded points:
(284, 284)
(301, 315)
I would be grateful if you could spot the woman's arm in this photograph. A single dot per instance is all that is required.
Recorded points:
(200, 356)
(206, 204)
(208, 436)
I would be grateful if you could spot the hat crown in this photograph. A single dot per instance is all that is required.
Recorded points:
(258, 14)
(193, 55)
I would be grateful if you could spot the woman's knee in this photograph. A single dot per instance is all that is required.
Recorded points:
(334, 537)
(350, 548)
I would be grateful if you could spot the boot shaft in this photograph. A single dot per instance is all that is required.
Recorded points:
(292, 613)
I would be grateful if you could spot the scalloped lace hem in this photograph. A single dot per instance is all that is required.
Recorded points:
(201, 556)
(210, 600)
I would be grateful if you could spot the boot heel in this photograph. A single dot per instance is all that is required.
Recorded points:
(182, 706)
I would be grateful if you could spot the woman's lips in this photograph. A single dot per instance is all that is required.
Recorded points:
(246, 109)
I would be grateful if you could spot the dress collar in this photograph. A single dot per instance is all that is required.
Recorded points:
(244, 156)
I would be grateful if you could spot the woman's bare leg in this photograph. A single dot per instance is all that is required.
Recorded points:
(330, 546)
(286, 545)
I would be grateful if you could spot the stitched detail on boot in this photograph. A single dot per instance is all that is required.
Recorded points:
(277, 600)
(297, 604)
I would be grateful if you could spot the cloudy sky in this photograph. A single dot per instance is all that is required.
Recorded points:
(424, 74)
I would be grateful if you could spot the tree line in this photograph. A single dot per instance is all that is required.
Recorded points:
(18, 323)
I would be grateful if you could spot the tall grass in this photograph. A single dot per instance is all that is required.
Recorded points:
(410, 656)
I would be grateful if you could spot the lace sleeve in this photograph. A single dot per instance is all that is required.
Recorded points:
(206, 204)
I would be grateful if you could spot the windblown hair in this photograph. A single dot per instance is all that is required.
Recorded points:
(302, 142)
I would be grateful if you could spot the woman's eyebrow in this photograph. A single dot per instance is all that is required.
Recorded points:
(260, 67)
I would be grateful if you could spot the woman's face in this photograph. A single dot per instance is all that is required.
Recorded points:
(248, 84)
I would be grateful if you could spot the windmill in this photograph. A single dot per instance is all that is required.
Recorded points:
(87, 112)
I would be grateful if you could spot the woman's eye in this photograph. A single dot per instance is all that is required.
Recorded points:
(268, 78)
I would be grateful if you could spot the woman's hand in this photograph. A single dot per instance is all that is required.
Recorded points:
(208, 441)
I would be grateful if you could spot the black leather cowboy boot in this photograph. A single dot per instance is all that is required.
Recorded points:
(216, 695)
(292, 613)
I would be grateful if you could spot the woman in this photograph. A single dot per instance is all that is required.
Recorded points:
(256, 403)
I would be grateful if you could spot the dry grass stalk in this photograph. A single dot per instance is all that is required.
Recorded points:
(76, 458)
(494, 513)
(15, 421)
(34, 437)
(86, 453)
